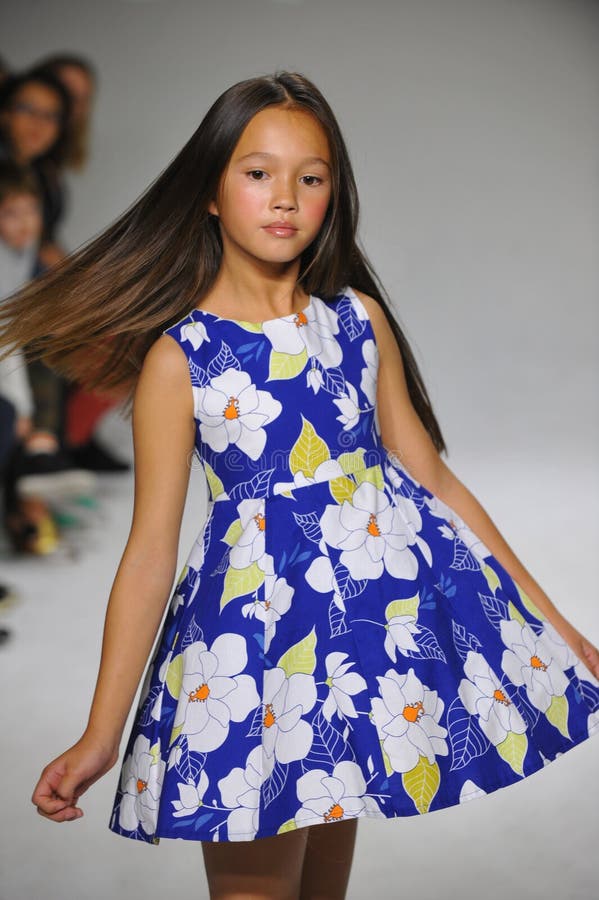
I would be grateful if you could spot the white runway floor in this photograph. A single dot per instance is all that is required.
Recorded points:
(534, 840)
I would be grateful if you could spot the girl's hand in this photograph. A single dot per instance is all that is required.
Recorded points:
(65, 778)
(583, 648)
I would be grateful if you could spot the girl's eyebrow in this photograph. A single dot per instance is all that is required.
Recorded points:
(308, 159)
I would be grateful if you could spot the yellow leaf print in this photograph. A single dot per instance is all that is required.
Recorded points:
(516, 614)
(174, 676)
(289, 825)
(373, 474)
(352, 462)
(286, 365)
(175, 734)
(308, 452)
(233, 533)
(239, 582)
(342, 488)
(557, 713)
(300, 657)
(422, 783)
(513, 750)
(491, 576)
(388, 767)
(529, 605)
(408, 607)
(214, 483)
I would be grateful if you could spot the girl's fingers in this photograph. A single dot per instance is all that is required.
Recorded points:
(68, 814)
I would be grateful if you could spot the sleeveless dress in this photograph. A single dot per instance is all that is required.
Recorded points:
(339, 643)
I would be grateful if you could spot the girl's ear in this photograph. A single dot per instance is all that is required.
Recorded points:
(213, 208)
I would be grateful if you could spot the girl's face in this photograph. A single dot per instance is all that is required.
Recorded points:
(32, 121)
(275, 191)
(20, 220)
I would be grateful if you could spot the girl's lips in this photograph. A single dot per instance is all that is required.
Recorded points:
(281, 230)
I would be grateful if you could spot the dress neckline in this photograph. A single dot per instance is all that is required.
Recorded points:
(288, 318)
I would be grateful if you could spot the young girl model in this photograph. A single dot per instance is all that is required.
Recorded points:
(350, 636)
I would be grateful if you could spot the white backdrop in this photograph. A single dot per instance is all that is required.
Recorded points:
(473, 126)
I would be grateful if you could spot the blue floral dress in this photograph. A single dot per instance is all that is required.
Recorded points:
(339, 643)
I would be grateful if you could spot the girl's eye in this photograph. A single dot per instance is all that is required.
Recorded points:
(315, 179)
(256, 172)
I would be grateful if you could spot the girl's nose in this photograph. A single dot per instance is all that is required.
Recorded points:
(284, 197)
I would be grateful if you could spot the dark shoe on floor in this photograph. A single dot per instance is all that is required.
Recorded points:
(97, 458)
(51, 475)
(7, 596)
(5, 635)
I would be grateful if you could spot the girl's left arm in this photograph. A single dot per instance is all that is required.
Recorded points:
(403, 432)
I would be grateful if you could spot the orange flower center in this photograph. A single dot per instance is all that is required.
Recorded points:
(260, 521)
(413, 711)
(141, 785)
(372, 527)
(231, 410)
(269, 718)
(301, 319)
(500, 697)
(538, 663)
(201, 693)
(335, 812)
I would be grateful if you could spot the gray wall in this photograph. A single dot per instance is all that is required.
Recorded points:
(473, 127)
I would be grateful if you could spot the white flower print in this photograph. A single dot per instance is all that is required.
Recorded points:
(195, 333)
(324, 471)
(458, 526)
(141, 784)
(483, 696)
(314, 379)
(407, 716)
(342, 686)
(399, 635)
(321, 577)
(349, 407)
(565, 655)
(232, 410)
(309, 330)
(530, 661)
(240, 792)
(190, 795)
(250, 546)
(285, 735)
(368, 382)
(371, 534)
(213, 692)
(335, 797)
(277, 601)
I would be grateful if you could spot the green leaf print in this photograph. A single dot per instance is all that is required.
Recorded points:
(342, 488)
(300, 657)
(513, 750)
(286, 365)
(352, 462)
(491, 576)
(239, 582)
(373, 474)
(557, 713)
(422, 783)
(214, 483)
(308, 452)
(408, 607)
(529, 605)
(233, 533)
(174, 676)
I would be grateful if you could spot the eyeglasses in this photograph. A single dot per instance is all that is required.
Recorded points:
(47, 115)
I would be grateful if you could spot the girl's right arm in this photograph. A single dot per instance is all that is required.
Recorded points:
(163, 436)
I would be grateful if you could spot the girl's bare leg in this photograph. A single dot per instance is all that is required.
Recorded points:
(267, 868)
(328, 860)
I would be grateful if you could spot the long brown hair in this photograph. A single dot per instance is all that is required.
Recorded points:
(94, 316)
